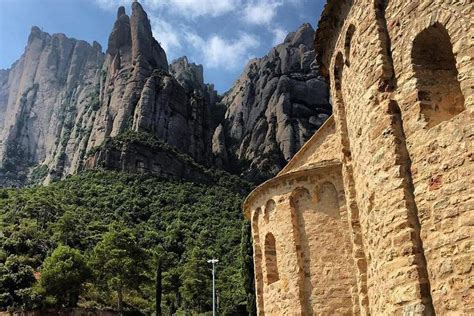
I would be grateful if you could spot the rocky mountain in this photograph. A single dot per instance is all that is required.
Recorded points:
(64, 102)
(139, 93)
(64, 98)
(278, 102)
(47, 103)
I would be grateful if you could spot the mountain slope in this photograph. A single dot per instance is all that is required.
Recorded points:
(184, 223)
(46, 103)
(278, 102)
(65, 97)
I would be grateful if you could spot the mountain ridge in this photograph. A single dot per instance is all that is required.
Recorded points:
(64, 97)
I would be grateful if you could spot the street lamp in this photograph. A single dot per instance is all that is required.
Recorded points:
(213, 261)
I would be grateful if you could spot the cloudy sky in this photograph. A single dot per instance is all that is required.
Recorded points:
(220, 34)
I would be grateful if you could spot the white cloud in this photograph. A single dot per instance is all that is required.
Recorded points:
(218, 52)
(261, 12)
(112, 4)
(194, 8)
(166, 34)
(186, 8)
(279, 35)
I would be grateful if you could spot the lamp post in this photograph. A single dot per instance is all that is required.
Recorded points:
(213, 261)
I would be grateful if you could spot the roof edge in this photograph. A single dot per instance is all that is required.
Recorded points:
(283, 177)
(307, 145)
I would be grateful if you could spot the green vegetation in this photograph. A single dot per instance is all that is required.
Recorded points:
(114, 240)
(62, 275)
(38, 174)
(216, 176)
(247, 267)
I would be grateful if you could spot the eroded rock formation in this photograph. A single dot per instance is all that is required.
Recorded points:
(46, 104)
(274, 107)
(64, 98)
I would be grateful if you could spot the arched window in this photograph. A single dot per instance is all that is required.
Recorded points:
(269, 209)
(348, 42)
(338, 66)
(271, 262)
(140, 166)
(439, 91)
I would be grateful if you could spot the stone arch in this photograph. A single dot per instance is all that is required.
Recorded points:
(348, 43)
(434, 66)
(299, 195)
(258, 260)
(387, 81)
(271, 262)
(270, 207)
(328, 201)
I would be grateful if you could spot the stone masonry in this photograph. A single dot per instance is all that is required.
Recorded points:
(374, 215)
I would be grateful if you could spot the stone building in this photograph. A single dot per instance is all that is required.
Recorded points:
(374, 215)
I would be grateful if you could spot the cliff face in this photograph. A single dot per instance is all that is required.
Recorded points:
(139, 93)
(45, 98)
(64, 99)
(132, 57)
(279, 101)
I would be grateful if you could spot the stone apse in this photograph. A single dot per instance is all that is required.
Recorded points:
(374, 215)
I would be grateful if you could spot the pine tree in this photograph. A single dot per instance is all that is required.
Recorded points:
(248, 276)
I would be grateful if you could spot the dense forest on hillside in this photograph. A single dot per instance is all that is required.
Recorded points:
(107, 239)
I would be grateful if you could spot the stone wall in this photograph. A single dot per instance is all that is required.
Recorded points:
(400, 75)
(306, 215)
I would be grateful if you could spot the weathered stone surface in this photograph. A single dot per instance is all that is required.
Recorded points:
(181, 119)
(273, 108)
(138, 158)
(45, 102)
(400, 75)
(189, 75)
(65, 97)
(129, 63)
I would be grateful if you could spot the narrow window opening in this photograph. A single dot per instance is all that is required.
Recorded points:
(271, 259)
(439, 91)
(348, 42)
(338, 66)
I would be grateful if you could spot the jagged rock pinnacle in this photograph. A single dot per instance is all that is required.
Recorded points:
(120, 11)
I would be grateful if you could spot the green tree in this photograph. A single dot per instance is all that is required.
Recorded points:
(152, 240)
(63, 274)
(248, 276)
(176, 216)
(196, 281)
(120, 261)
(70, 230)
(16, 281)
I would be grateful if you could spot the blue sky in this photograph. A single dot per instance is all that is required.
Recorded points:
(220, 34)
